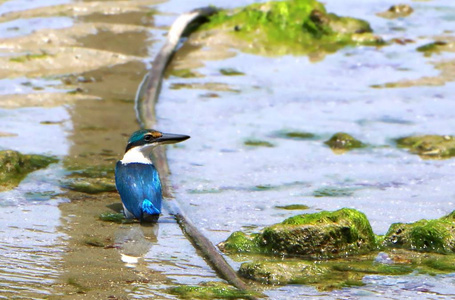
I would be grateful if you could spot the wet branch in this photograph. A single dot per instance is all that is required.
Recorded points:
(146, 99)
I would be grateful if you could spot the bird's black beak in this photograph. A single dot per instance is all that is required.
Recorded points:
(170, 138)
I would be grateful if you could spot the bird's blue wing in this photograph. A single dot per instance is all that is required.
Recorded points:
(139, 187)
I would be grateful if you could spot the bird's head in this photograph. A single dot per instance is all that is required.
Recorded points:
(146, 139)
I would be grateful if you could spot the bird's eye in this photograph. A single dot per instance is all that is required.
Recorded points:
(147, 138)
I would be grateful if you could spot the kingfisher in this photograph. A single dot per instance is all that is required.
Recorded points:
(137, 179)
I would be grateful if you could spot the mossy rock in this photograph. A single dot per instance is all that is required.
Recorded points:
(286, 27)
(324, 234)
(208, 290)
(424, 235)
(91, 179)
(15, 166)
(319, 235)
(343, 141)
(429, 146)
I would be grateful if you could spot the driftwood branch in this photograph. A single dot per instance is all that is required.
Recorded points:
(146, 99)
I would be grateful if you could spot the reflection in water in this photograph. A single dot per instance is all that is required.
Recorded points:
(132, 244)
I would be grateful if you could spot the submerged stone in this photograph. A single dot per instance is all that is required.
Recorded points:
(424, 235)
(285, 27)
(429, 146)
(431, 48)
(258, 143)
(343, 141)
(294, 135)
(325, 275)
(90, 180)
(333, 192)
(319, 235)
(397, 11)
(14, 166)
(293, 207)
(208, 290)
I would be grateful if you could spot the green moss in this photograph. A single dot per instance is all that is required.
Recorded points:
(15, 166)
(294, 135)
(208, 290)
(424, 235)
(429, 146)
(91, 185)
(90, 180)
(241, 242)
(28, 57)
(344, 141)
(258, 143)
(333, 192)
(293, 26)
(184, 73)
(80, 289)
(93, 241)
(293, 207)
(431, 48)
(231, 72)
(112, 217)
(325, 275)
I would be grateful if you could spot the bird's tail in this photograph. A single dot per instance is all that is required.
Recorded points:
(149, 208)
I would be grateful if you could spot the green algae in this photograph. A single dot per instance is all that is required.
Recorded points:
(338, 273)
(231, 72)
(323, 234)
(91, 179)
(324, 275)
(184, 73)
(15, 166)
(429, 146)
(118, 218)
(239, 242)
(294, 135)
(436, 235)
(28, 57)
(208, 290)
(333, 192)
(289, 27)
(293, 207)
(90, 185)
(432, 48)
(343, 141)
(397, 11)
(258, 143)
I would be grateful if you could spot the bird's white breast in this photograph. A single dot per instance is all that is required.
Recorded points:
(138, 155)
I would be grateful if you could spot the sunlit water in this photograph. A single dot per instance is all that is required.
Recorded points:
(225, 185)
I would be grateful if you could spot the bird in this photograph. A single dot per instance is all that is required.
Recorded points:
(137, 179)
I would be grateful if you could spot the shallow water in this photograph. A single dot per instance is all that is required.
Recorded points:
(47, 233)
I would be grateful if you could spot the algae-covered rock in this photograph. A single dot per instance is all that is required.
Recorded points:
(424, 235)
(429, 146)
(14, 166)
(90, 180)
(294, 135)
(285, 27)
(397, 11)
(241, 242)
(435, 47)
(324, 234)
(208, 290)
(343, 141)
